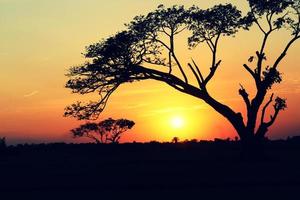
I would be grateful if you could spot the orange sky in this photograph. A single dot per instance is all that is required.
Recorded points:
(40, 40)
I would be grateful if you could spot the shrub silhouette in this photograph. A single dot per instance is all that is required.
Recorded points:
(106, 131)
(175, 140)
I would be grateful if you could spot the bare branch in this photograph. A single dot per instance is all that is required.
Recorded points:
(212, 72)
(170, 62)
(164, 44)
(249, 70)
(257, 23)
(284, 52)
(261, 54)
(269, 17)
(198, 70)
(265, 108)
(245, 96)
(164, 31)
(177, 32)
(209, 45)
(180, 68)
(196, 75)
(176, 59)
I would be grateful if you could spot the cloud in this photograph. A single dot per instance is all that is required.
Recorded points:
(31, 94)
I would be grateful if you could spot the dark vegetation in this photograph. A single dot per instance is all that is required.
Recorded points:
(185, 170)
(106, 131)
(146, 50)
(2, 143)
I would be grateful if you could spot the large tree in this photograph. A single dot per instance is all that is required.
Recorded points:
(146, 50)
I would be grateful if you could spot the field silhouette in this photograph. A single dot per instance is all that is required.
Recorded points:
(203, 169)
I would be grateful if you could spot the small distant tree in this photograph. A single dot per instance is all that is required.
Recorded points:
(106, 131)
(194, 141)
(175, 140)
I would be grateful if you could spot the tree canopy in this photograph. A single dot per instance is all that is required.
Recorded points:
(106, 131)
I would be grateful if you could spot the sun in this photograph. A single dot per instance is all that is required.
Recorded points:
(177, 122)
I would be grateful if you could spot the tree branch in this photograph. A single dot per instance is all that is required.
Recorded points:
(198, 70)
(257, 23)
(265, 108)
(261, 54)
(177, 32)
(245, 97)
(212, 72)
(283, 54)
(176, 59)
(164, 44)
(196, 75)
(214, 65)
(93, 137)
(249, 70)
(269, 17)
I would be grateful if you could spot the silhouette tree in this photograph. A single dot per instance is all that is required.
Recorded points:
(107, 131)
(146, 50)
(175, 140)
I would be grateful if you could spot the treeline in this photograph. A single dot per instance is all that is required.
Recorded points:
(185, 143)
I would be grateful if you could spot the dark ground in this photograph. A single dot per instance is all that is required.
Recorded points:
(149, 171)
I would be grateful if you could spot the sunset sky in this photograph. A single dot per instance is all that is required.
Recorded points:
(41, 39)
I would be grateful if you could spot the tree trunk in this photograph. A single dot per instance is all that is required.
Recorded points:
(252, 147)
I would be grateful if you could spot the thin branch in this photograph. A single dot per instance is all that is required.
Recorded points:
(180, 68)
(170, 62)
(209, 45)
(269, 17)
(214, 65)
(198, 70)
(256, 22)
(196, 75)
(249, 70)
(164, 31)
(245, 96)
(164, 44)
(283, 54)
(103, 101)
(93, 137)
(273, 118)
(265, 108)
(177, 32)
(260, 55)
(212, 72)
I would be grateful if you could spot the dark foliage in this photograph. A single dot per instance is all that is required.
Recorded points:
(106, 131)
(211, 23)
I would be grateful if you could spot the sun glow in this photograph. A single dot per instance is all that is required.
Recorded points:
(177, 122)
